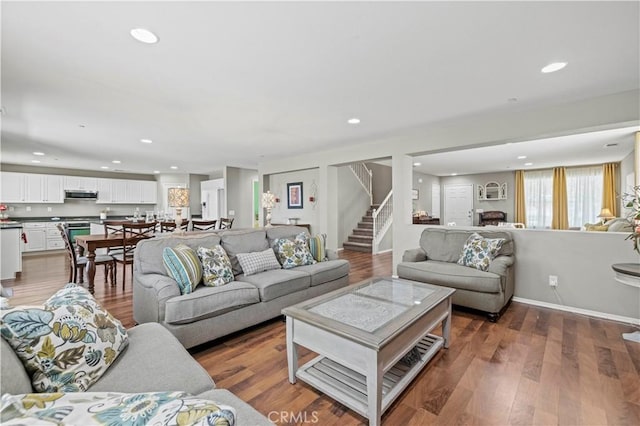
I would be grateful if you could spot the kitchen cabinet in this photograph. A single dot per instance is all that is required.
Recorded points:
(79, 183)
(123, 191)
(31, 188)
(11, 259)
(36, 233)
(54, 239)
(12, 186)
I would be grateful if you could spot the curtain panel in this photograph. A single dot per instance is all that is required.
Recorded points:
(560, 218)
(521, 207)
(609, 199)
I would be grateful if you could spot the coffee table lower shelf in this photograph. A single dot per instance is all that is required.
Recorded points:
(350, 387)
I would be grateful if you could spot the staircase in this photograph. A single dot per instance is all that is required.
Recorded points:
(362, 237)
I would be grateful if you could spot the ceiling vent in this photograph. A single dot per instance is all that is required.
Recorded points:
(610, 145)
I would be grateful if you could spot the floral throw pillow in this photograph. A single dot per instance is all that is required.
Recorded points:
(293, 253)
(111, 408)
(478, 252)
(67, 344)
(216, 266)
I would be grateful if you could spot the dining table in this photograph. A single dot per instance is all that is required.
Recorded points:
(90, 243)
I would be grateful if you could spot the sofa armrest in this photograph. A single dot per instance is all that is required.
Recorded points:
(500, 265)
(150, 294)
(414, 255)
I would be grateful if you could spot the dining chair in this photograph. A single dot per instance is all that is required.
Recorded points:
(132, 234)
(79, 263)
(170, 226)
(114, 227)
(226, 223)
(203, 225)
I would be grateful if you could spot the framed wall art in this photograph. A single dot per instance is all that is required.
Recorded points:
(294, 195)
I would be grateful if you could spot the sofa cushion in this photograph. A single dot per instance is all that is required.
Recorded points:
(323, 272)
(288, 231)
(445, 244)
(183, 265)
(619, 224)
(216, 266)
(253, 263)
(14, 377)
(148, 254)
(245, 241)
(450, 275)
(478, 252)
(155, 361)
(275, 283)
(208, 302)
(294, 253)
(67, 344)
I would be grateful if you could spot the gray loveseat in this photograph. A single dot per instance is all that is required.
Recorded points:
(154, 361)
(212, 312)
(435, 262)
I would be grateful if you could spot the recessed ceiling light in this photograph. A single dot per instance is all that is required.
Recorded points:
(156, 171)
(417, 164)
(521, 157)
(82, 126)
(104, 167)
(144, 36)
(553, 67)
(512, 100)
(174, 167)
(116, 161)
(146, 141)
(38, 153)
(528, 164)
(353, 120)
(454, 174)
(35, 161)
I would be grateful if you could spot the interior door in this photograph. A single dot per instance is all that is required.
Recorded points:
(458, 205)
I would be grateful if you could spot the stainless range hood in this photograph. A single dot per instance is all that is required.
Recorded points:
(80, 195)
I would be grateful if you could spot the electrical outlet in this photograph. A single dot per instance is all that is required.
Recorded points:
(479, 210)
(49, 209)
(28, 208)
(232, 212)
(553, 281)
(11, 208)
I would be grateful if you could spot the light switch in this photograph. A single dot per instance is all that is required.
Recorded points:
(232, 212)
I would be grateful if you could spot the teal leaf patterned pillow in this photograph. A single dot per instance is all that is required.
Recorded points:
(293, 253)
(67, 344)
(216, 266)
(478, 252)
(182, 264)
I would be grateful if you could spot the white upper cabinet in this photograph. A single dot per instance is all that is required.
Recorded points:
(79, 183)
(12, 187)
(105, 191)
(31, 188)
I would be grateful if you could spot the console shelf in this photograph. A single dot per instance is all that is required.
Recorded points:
(350, 387)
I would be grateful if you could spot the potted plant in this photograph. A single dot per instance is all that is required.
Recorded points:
(632, 203)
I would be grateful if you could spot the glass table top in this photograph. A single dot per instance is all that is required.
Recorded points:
(371, 311)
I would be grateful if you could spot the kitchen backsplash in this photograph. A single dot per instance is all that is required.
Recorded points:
(75, 209)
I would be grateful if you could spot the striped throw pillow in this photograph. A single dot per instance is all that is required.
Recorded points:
(317, 247)
(183, 265)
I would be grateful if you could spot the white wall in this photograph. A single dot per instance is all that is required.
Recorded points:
(626, 172)
(239, 193)
(353, 203)
(492, 128)
(424, 201)
(277, 184)
(507, 206)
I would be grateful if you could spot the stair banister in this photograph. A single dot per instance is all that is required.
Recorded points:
(365, 177)
(382, 219)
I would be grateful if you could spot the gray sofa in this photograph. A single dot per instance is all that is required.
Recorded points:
(212, 312)
(154, 361)
(435, 262)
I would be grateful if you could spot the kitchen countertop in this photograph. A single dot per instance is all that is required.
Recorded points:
(11, 225)
(91, 219)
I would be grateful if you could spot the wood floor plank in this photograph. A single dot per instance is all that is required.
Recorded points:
(535, 366)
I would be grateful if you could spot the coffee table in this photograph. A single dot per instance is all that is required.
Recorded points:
(362, 332)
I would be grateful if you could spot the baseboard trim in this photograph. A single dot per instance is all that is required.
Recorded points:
(588, 312)
(385, 251)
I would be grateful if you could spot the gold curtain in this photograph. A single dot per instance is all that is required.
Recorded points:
(609, 172)
(521, 211)
(560, 218)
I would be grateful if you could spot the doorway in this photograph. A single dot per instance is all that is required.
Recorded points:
(458, 204)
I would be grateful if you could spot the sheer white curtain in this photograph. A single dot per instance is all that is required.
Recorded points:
(584, 194)
(538, 193)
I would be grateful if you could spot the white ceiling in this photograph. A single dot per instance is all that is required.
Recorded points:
(573, 150)
(235, 83)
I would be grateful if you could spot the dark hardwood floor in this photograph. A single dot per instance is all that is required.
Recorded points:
(534, 366)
